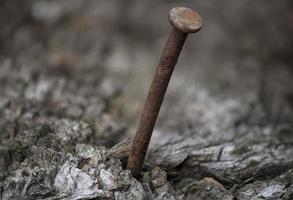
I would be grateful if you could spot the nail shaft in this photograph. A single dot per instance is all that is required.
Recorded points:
(154, 100)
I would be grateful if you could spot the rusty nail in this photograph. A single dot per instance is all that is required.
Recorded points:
(184, 21)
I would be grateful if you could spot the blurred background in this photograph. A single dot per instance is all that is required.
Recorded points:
(79, 58)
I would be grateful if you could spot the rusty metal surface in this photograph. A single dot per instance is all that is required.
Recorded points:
(185, 19)
(154, 100)
(160, 83)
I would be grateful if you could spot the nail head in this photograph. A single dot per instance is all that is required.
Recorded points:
(185, 19)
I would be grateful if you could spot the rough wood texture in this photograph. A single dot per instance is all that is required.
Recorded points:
(229, 132)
